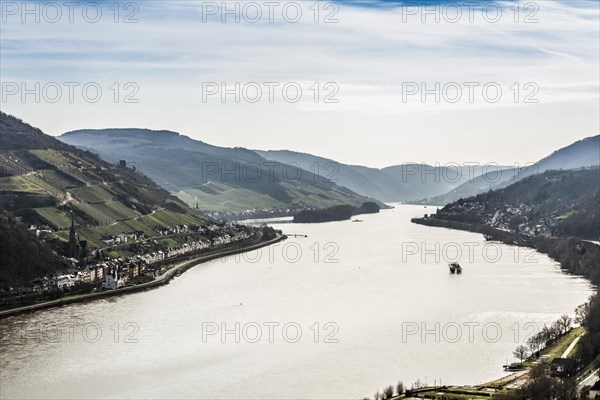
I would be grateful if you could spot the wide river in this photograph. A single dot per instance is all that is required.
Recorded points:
(340, 314)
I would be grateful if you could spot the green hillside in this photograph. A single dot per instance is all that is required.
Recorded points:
(230, 182)
(43, 180)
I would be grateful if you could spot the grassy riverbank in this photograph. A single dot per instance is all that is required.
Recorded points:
(575, 255)
(501, 386)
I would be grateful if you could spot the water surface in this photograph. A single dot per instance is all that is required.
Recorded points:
(370, 287)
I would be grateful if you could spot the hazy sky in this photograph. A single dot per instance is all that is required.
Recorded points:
(373, 58)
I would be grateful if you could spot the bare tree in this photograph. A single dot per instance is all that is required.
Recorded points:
(545, 334)
(533, 343)
(565, 323)
(377, 396)
(556, 329)
(582, 313)
(400, 388)
(520, 353)
(388, 392)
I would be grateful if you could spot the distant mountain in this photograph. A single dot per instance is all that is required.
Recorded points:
(226, 180)
(583, 153)
(43, 181)
(396, 183)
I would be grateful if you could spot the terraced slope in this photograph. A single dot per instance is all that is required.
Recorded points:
(43, 180)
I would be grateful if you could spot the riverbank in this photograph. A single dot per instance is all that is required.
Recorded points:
(561, 348)
(575, 255)
(163, 279)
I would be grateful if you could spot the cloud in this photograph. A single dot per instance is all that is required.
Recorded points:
(373, 49)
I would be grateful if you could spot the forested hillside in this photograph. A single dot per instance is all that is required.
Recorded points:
(23, 256)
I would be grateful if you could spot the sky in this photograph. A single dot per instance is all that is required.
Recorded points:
(373, 83)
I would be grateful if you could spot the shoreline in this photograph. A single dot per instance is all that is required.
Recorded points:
(518, 378)
(549, 245)
(163, 279)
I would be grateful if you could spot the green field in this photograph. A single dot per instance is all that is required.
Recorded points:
(68, 165)
(55, 217)
(226, 198)
(321, 198)
(145, 224)
(220, 197)
(26, 184)
(91, 194)
(169, 218)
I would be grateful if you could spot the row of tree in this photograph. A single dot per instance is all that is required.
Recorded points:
(542, 386)
(390, 391)
(546, 336)
(588, 347)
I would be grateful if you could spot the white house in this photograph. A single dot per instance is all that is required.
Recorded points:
(65, 281)
(112, 281)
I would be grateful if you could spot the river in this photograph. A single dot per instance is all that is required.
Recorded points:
(339, 314)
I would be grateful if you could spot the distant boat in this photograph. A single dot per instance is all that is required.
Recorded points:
(357, 220)
(512, 367)
(455, 268)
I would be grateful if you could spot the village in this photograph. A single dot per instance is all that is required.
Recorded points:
(92, 269)
(518, 218)
(515, 218)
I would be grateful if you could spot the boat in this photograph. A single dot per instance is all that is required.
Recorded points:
(512, 367)
(357, 220)
(455, 268)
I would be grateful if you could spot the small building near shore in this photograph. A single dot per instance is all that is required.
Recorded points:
(112, 281)
(563, 367)
(594, 392)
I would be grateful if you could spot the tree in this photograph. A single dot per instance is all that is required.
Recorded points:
(581, 313)
(538, 371)
(545, 335)
(400, 388)
(520, 353)
(556, 330)
(377, 396)
(565, 323)
(388, 392)
(534, 343)
(542, 386)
